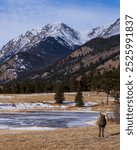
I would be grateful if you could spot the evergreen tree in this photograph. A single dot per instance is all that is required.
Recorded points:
(79, 97)
(59, 93)
(6, 89)
(73, 84)
(49, 87)
(108, 84)
(15, 88)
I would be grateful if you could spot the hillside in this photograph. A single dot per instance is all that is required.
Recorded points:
(38, 49)
(98, 53)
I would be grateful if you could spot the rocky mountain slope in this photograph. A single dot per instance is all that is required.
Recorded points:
(98, 53)
(39, 48)
(35, 50)
(105, 31)
(64, 35)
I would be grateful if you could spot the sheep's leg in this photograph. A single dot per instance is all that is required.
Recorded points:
(99, 131)
(102, 131)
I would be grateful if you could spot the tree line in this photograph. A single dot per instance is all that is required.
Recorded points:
(93, 81)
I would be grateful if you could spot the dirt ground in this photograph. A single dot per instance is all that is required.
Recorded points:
(84, 138)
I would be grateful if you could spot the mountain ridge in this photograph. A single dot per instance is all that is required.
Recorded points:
(38, 49)
(58, 29)
(33, 37)
(92, 55)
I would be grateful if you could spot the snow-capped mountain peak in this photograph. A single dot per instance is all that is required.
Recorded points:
(98, 31)
(57, 29)
(60, 32)
(53, 26)
(40, 48)
(105, 31)
(113, 29)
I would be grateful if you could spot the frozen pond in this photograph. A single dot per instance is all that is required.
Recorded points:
(45, 120)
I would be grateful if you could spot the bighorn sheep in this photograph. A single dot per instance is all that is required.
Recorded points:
(101, 122)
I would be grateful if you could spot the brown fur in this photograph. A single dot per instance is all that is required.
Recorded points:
(101, 127)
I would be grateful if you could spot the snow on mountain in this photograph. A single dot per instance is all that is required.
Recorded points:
(105, 31)
(65, 32)
(59, 31)
(98, 31)
(113, 29)
(40, 48)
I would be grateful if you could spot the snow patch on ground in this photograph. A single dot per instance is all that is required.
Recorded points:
(20, 106)
(49, 105)
(89, 104)
(5, 96)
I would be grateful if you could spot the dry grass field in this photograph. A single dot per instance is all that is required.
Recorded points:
(48, 98)
(16, 98)
(84, 138)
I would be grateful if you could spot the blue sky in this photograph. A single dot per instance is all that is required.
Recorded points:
(18, 16)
